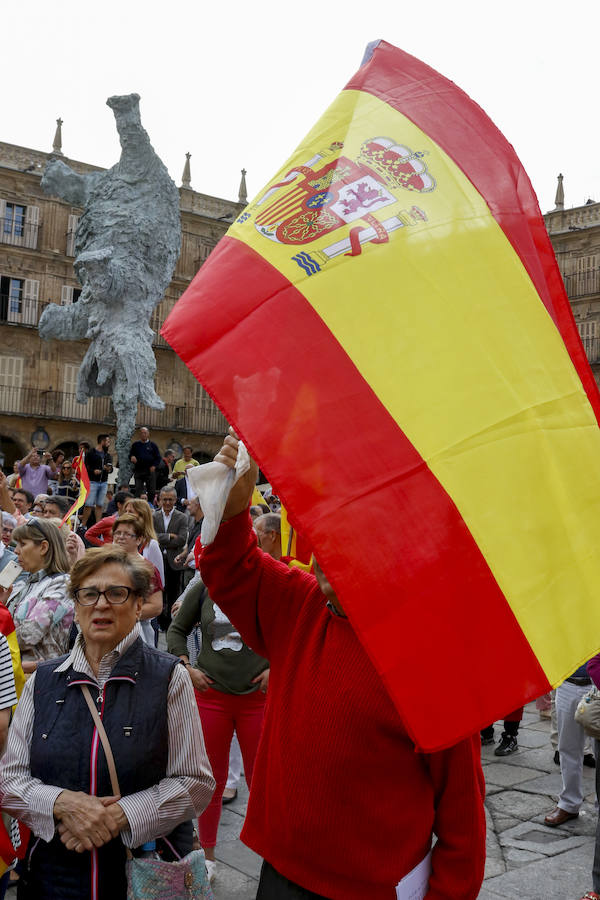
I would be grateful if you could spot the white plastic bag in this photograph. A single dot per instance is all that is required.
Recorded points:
(212, 483)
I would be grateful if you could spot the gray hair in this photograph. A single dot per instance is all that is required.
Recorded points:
(271, 521)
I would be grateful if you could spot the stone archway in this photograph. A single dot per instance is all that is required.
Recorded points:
(69, 448)
(11, 450)
(202, 457)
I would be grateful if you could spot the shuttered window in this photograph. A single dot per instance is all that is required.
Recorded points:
(19, 224)
(11, 371)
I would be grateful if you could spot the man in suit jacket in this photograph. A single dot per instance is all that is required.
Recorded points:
(171, 528)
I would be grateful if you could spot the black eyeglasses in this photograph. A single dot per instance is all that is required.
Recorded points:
(115, 595)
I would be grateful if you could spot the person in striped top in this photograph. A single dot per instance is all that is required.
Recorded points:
(54, 776)
(8, 693)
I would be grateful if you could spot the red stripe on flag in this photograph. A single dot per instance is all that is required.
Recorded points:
(273, 212)
(436, 616)
(463, 130)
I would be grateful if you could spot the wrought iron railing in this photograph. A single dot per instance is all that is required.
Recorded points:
(27, 311)
(581, 284)
(20, 310)
(591, 345)
(47, 404)
(18, 233)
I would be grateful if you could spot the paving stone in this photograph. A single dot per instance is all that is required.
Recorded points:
(530, 737)
(494, 867)
(515, 859)
(486, 894)
(493, 789)
(506, 775)
(230, 825)
(233, 885)
(237, 856)
(542, 725)
(550, 784)
(562, 877)
(541, 758)
(503, 823)
(537, 838)
(517, 804)
(492, 845)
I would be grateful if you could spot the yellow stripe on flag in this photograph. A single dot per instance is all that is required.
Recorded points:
(257, 498)
(446, 310)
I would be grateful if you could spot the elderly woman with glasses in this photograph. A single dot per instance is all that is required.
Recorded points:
(54, 775)
(39, 604)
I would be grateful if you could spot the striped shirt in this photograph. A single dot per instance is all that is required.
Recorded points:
(182, 794)
(8, 694)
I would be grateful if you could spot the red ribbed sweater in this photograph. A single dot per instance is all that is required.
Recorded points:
(341, 802)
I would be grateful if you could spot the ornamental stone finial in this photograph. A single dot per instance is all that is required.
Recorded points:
(559, 200)
(186, 178)
(57, 143)
(243, 191)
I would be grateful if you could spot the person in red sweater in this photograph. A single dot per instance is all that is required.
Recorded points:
(102, 532)
(342, 806)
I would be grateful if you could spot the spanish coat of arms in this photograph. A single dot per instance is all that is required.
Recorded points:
(320, 197)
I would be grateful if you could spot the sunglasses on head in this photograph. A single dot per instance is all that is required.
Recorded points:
(40, 524)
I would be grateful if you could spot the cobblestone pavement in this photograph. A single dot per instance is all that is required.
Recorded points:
(525, 859)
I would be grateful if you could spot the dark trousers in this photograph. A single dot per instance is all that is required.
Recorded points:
(511, 725)
(145, 481)
(170, 594)
(273, 886)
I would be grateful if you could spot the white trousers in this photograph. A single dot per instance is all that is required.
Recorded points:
(571, 743)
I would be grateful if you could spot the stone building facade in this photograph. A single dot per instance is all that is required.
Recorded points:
(575, 236)
(37, 378)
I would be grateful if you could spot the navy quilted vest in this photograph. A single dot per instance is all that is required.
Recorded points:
(134, 713)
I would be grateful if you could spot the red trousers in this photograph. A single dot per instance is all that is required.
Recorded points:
(222, 714)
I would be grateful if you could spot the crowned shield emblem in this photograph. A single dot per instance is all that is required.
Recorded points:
(312, 202)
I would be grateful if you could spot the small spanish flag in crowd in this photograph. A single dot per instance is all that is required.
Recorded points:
(81, 473)
(425, 408)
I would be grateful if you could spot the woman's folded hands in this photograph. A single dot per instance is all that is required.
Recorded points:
(85, 821)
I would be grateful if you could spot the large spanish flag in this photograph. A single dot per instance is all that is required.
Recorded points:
(425, 411)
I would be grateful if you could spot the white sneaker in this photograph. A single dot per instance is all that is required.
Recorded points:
(211, 869)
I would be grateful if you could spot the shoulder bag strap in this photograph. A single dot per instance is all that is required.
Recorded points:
(114, 781)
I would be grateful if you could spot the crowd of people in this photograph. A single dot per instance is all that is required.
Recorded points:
(89, 597)
(260, 656)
